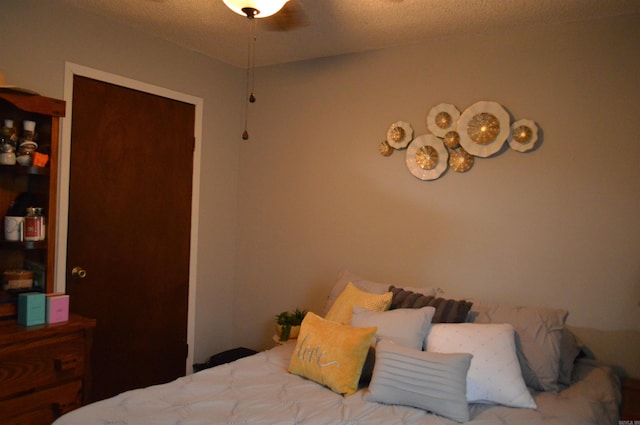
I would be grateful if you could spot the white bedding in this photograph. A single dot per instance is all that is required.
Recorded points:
(258, 390)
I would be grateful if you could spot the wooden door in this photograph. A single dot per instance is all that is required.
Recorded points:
(129, 231)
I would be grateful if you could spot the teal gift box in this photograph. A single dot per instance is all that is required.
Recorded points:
(31, 309)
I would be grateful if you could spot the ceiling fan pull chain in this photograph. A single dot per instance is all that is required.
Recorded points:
(251, 60)
(254, 38)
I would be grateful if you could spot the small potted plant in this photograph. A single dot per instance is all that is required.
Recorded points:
(288, 324)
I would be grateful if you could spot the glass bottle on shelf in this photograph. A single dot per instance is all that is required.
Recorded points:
(28, 130)
(41, 225)
(8, 141)
(28, 145)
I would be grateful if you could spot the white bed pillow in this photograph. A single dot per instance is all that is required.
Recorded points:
(430, 381)
(405, 326)
(494, 375)
(539, 334)
(345, 276)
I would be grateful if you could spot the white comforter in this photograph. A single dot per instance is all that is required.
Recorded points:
(258, 390)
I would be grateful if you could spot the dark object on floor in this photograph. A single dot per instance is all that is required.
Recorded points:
(224, 357)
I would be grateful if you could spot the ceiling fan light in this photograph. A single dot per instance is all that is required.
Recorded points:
(264, 7)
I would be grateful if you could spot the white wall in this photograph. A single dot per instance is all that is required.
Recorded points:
(36, 40)
(554, 227)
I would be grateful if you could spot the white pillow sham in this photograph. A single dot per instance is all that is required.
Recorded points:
(539, 334)
(494, 375)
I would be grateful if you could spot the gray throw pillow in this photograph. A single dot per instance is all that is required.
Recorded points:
(447, 311)
(435, 382)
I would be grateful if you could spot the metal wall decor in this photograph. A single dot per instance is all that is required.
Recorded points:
(399, 135)
(427, 157)
(457, 138)
(524, 135)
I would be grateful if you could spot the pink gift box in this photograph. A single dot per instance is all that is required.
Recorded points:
(57, 308)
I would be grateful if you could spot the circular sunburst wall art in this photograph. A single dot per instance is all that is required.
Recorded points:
(442, 118)
(399, 134)
(460, 160)
(483, 128)
(451, 139)
(427, 157)
(456, 139)
(385, 149)
(524, 135)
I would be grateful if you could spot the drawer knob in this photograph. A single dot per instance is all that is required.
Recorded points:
(66, 362)
(60, 409)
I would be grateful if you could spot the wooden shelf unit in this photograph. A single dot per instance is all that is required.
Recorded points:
(41, 182)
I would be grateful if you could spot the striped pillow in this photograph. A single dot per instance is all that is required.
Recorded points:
(447, 311)
(435, 382)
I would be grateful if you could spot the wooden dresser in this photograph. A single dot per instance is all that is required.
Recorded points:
(44, 370)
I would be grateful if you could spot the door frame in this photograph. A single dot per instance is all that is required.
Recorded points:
(72, 69)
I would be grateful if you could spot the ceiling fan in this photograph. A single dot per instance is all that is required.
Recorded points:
(292, 16)
(282, 15)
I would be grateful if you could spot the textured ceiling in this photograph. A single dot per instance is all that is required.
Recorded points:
(340, 26)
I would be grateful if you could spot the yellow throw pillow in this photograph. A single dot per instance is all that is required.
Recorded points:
(342, 308)
(331, 354)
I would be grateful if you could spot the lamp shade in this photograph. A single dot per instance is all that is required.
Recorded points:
(264, 8)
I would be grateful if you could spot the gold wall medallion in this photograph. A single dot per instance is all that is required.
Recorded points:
(385, 149)
(396, 134)
(427, 157)
(522, 134)
(451, 139)
(442, 118)
(399, 134)
(483, 128)
(460, 160)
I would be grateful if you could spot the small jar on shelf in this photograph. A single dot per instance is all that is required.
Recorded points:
(34, 225)
(8, 140)
(28, 145)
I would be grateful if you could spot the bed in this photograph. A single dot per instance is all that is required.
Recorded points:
(382, 354)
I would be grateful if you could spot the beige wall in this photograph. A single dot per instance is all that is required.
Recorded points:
(556, 227)
(309, 194)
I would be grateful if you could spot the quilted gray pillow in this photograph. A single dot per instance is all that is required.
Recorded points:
(406, 326)
(435, 382)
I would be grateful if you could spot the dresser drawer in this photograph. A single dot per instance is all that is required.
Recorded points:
(41, 407)
(40, 363)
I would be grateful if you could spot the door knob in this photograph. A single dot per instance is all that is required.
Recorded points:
(79, 272)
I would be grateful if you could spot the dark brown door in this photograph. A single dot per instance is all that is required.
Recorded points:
(129, 231)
